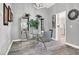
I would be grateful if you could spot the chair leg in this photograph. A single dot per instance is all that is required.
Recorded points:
(21, 32)
(44, 44)
(26, 34)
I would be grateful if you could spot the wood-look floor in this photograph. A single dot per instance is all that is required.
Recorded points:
(37, 48)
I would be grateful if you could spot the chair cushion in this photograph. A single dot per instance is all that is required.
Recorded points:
(47, 36)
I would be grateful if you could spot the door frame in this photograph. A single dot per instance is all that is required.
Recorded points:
(57, 24)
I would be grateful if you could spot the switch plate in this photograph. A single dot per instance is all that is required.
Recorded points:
(70, 26)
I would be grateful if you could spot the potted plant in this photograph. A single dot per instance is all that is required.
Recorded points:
(34, 24)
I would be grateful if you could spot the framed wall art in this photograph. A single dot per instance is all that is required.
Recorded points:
(10, 14)
(54, 21)
(5, 14)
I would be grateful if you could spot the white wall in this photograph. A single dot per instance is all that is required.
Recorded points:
(5, 33)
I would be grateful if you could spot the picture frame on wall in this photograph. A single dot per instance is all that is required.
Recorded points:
(5, 14)
(10, 14)
(54, 21)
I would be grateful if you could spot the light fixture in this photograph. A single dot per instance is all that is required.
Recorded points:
(43, 5)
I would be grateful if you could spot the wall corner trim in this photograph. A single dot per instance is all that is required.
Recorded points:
(72, 45)
(9, 48)
(12, 43)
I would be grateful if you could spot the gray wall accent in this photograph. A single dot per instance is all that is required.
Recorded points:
(71, 33)
(5, 33)
(19, 9)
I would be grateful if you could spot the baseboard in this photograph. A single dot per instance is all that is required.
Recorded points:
(19, 40)
(11, 45)
(72, 45)
(9, 48)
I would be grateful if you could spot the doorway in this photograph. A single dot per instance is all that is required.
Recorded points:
(61, 26)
